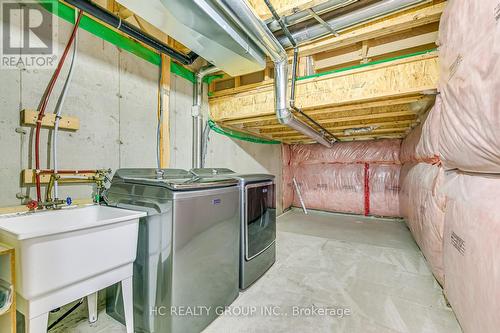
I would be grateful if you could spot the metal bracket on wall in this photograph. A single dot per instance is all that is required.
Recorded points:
(323, 22)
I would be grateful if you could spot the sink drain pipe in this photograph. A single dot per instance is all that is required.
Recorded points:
(197, 115)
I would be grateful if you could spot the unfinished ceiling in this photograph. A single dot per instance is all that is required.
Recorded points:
(374, 80)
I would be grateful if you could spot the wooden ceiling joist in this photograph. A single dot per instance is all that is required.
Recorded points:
(406, 20)
(390, 95)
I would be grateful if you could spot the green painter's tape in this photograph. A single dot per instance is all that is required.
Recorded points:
(365, 65)
(239, 135)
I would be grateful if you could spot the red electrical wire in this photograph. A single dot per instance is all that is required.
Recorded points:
(44, 101)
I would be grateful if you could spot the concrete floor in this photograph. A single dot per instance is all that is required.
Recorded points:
(333, 273)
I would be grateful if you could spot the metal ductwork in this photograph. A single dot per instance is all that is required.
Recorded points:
(197, 115)
(130, 30)
(242, 14)
(339, 23)
(201, 26)
(305, 14)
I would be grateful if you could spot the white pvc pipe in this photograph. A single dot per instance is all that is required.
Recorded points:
(58, 111)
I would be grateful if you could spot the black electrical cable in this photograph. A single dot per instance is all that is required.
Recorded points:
(67, 313)
(132, 31)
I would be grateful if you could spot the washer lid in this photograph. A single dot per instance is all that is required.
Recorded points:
(174, 179)
(246, 178)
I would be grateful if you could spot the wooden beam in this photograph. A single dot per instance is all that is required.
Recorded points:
(401, 22)
(391, 82)
(365, 53)
(382, 124)
(30, 118)
(164, 92)
(341, 135)
(377, 116)
(339, 108)
(283, 7)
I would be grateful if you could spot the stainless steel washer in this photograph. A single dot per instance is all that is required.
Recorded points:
(257, 221)
(188, 248)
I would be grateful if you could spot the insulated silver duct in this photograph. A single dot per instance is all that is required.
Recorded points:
(242, 14)
(363, 14)
(196, 113)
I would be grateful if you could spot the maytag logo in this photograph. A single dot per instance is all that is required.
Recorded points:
(216, 201)
(29, 32)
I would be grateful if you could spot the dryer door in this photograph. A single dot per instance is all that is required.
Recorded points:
(260, 218)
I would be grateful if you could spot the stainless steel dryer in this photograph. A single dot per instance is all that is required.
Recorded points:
(257, 221)
(188, 248)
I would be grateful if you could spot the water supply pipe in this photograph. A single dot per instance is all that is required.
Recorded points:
(58, 111)
(43, 105)
(196, 113)
(243, 15)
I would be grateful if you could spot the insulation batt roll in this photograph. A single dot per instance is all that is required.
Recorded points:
(334, 179)
(463, 25)
(384, 189)
(469, 56)
(422, 144)
(422, 205)
(331, 187)
(471, 251)
(379, 151)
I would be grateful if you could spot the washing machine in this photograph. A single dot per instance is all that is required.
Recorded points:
(187, 265)
(257, 221)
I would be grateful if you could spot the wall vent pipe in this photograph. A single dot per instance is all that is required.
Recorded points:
(197, 114)
(242, 14)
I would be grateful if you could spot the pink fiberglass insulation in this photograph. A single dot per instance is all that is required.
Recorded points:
(331, 187)
(384, 189)
(379, 151)
(422, 144)
(463, 25)
(471, 249)
(422, 205)
(334, 179)
(470, 62)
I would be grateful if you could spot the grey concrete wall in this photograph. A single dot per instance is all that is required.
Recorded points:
(222, 151)
(114, 94)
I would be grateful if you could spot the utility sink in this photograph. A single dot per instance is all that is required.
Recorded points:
(63, 255)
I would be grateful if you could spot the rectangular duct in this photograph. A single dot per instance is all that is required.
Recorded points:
(201, 26)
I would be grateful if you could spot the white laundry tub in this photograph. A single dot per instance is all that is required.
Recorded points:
(67, 254)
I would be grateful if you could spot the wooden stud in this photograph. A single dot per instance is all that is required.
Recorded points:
(165, 119)
(237, 81)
